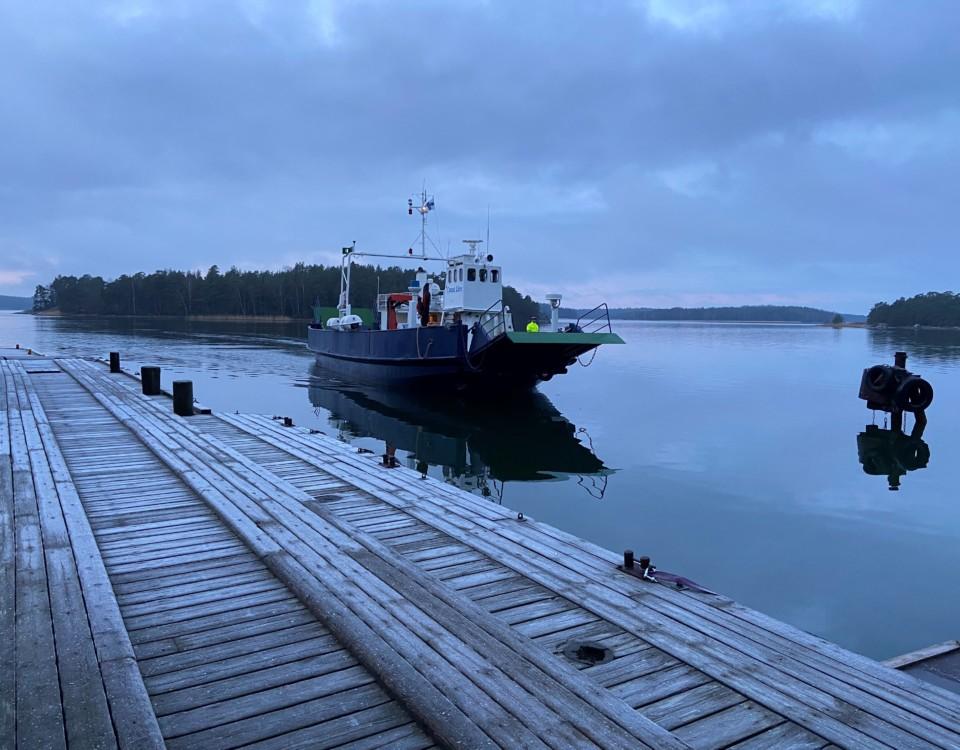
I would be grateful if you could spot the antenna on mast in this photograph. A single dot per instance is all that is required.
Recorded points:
(488, 227)
(424, 206)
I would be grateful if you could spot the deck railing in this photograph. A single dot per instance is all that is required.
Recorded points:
(493, 320)
(596, 320)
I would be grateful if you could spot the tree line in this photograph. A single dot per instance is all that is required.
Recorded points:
(930, 309)
(291, 292)
(13, 303)
(743, 313)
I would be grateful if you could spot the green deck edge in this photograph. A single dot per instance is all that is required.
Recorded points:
(551, 337)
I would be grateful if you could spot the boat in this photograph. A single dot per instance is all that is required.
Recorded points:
(449, 329)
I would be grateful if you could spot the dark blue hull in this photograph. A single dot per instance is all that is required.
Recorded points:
(405, 357)
(436, 357)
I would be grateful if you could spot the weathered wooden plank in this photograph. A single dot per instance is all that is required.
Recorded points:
(193, 697)
(187, 585)
(39, 713)
(728, 726)
(197, 576)
(504, 586)
(473, 580)
(536, 610)
(282, 635)
(589, 631)
(167, 556)
(637, 664)
(151, 577)
(440, 565)
(689, 705)
(122, 685)
(290, 615)
(555, 623)
(784, 735)
(170, 562)
(198, 519)
(273, 653)
(405, 737)
(140, 542)
(372, 724)
(194, 601)
(928, 652)
(222, 609)
(660, 684)
(269, 714)
(516, 596)
(8, 683)
(424, 555)
(86, 714)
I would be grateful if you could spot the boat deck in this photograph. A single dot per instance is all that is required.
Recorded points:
(226, 581)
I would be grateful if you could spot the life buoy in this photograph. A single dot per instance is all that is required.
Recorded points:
(914, 394)
(879, 377)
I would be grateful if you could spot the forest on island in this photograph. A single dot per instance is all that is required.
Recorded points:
(744, 313)
(930, 309)
(291, 292)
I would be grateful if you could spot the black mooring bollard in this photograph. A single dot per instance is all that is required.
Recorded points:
(900, 359)
(628, 559)
(150, 380)
(114, 361)
(183, 398)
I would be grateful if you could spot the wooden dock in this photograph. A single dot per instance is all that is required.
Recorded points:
(224, 580)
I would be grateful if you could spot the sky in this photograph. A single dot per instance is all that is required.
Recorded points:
(647, 153)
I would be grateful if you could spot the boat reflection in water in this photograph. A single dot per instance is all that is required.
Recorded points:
(891, 453)
(478, 446)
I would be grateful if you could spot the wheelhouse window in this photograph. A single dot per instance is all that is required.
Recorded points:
(471, 274)
(494, 275)
(461, 273)
(483, 274)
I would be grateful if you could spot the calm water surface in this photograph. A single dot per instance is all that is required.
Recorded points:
(728, 453)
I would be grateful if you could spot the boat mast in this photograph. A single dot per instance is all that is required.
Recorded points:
(343, 305)
(425, 206)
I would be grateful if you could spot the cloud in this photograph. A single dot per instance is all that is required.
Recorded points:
(743, 150)
(14, 278)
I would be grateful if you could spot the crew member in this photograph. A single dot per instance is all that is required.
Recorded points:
(532, 326)
(423, 305)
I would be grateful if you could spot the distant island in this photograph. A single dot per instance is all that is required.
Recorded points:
(935, 309)
(743, 313)
(291, 293)
(14, 303)
(287, 294)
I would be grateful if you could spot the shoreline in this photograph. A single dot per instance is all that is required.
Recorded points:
(220, 318)
(198, 318)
